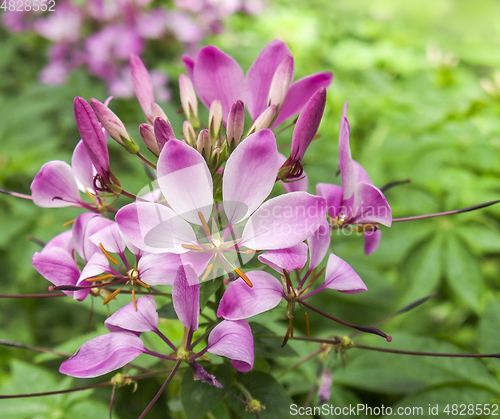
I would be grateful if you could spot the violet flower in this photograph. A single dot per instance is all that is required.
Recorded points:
(248, 178)
(357, 202)
(217, 76)
(116, 349)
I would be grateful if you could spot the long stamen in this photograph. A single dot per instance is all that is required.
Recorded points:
(207, 272)
(68, 223)
(192, 247)
(113, 295)
(204, 224)
(99, 278)
(244, 277)
(111, 258)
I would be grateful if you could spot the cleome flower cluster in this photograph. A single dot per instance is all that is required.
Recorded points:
(207, 214)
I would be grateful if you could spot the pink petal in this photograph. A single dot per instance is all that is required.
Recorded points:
(289, 259)
(154, 228)
(370, 206)
(185, 181)
(189, 63)
(86, 225)
(284, 221)
(241, 302)
(346, 165)
(299, 185)
(299, 93)
(163, 132)
(319, 243)
(97, 265)
(63, 241)
(55, 186)
(159, 269)
(57, 266)
(186, 297)
(341, 277)
(145, 319)
(233, 339)
(103, 354)
(372, 240)
(110, 238)
(83, 169)
(249, 175)
(217, 76)
(332, 195)
(260, 75)
(360, 173)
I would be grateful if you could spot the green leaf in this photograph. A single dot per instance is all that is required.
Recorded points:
(463, 273)
(489, 338)
(431, 402)
(167, 311)
(199, 398)
(399, 374)
(264, 388)
(207, 289)
(268, 347)
(421, 270)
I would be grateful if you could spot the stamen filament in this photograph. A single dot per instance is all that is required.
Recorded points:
(113, 295)
(68, 223)
(192, 247)
(99, 278)
(111, 258)
(207, 272)
(244, 277)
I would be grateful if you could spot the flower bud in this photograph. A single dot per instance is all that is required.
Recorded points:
(114, 126)
(308, 124)
(264, 121)
(189, 100)
(157, 112)
(143, 86)
(215, 119)
(235, 124)
(189, 133)
(280, 83)
(163, 132)
(203, 144)
(148, 136)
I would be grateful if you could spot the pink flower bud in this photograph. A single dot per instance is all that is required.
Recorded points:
(148, 136)
(189, 100)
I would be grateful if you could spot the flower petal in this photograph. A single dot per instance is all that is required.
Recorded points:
(83, 169)
(110, 238)
(241, 302)
(260, 75)
(299, 93)
(284, 221)
(159, 269)
(289, 259)
(103, 354)
(185, 181)
(341, 277)
(97, 265)
(372, 240)
(57, 266)
(332, 195)
(370, 206)
(319, 243)
(55, 186)
(249, 175)
(86, 225)
(143, 86)
(145, 319)
(217, 76)
(62, 241)
(233, 339)
(154, 228)
(346, 166)
(186, 297)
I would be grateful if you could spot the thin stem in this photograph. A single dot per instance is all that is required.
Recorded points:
(16, 194)
(162, 389)
(146, 160)
(392, 184)
(165, 339)
(32, 348)
(439, 214)
(152, 353)
(437, 354)
(31, 295)
(366, 329)
(299, 363)
(71, 390)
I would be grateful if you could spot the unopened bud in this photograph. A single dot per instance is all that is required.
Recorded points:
(157, 112)
(114, 126)
(188, 100)
(235, 124)
(280, 83)
(148, 136)
(255, 406)
(203, 144)
(163, 132)
(215, 119)
(264, 121)
(143, 86)
(189, 133)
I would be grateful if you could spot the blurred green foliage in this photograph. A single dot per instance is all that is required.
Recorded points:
(419, 107)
